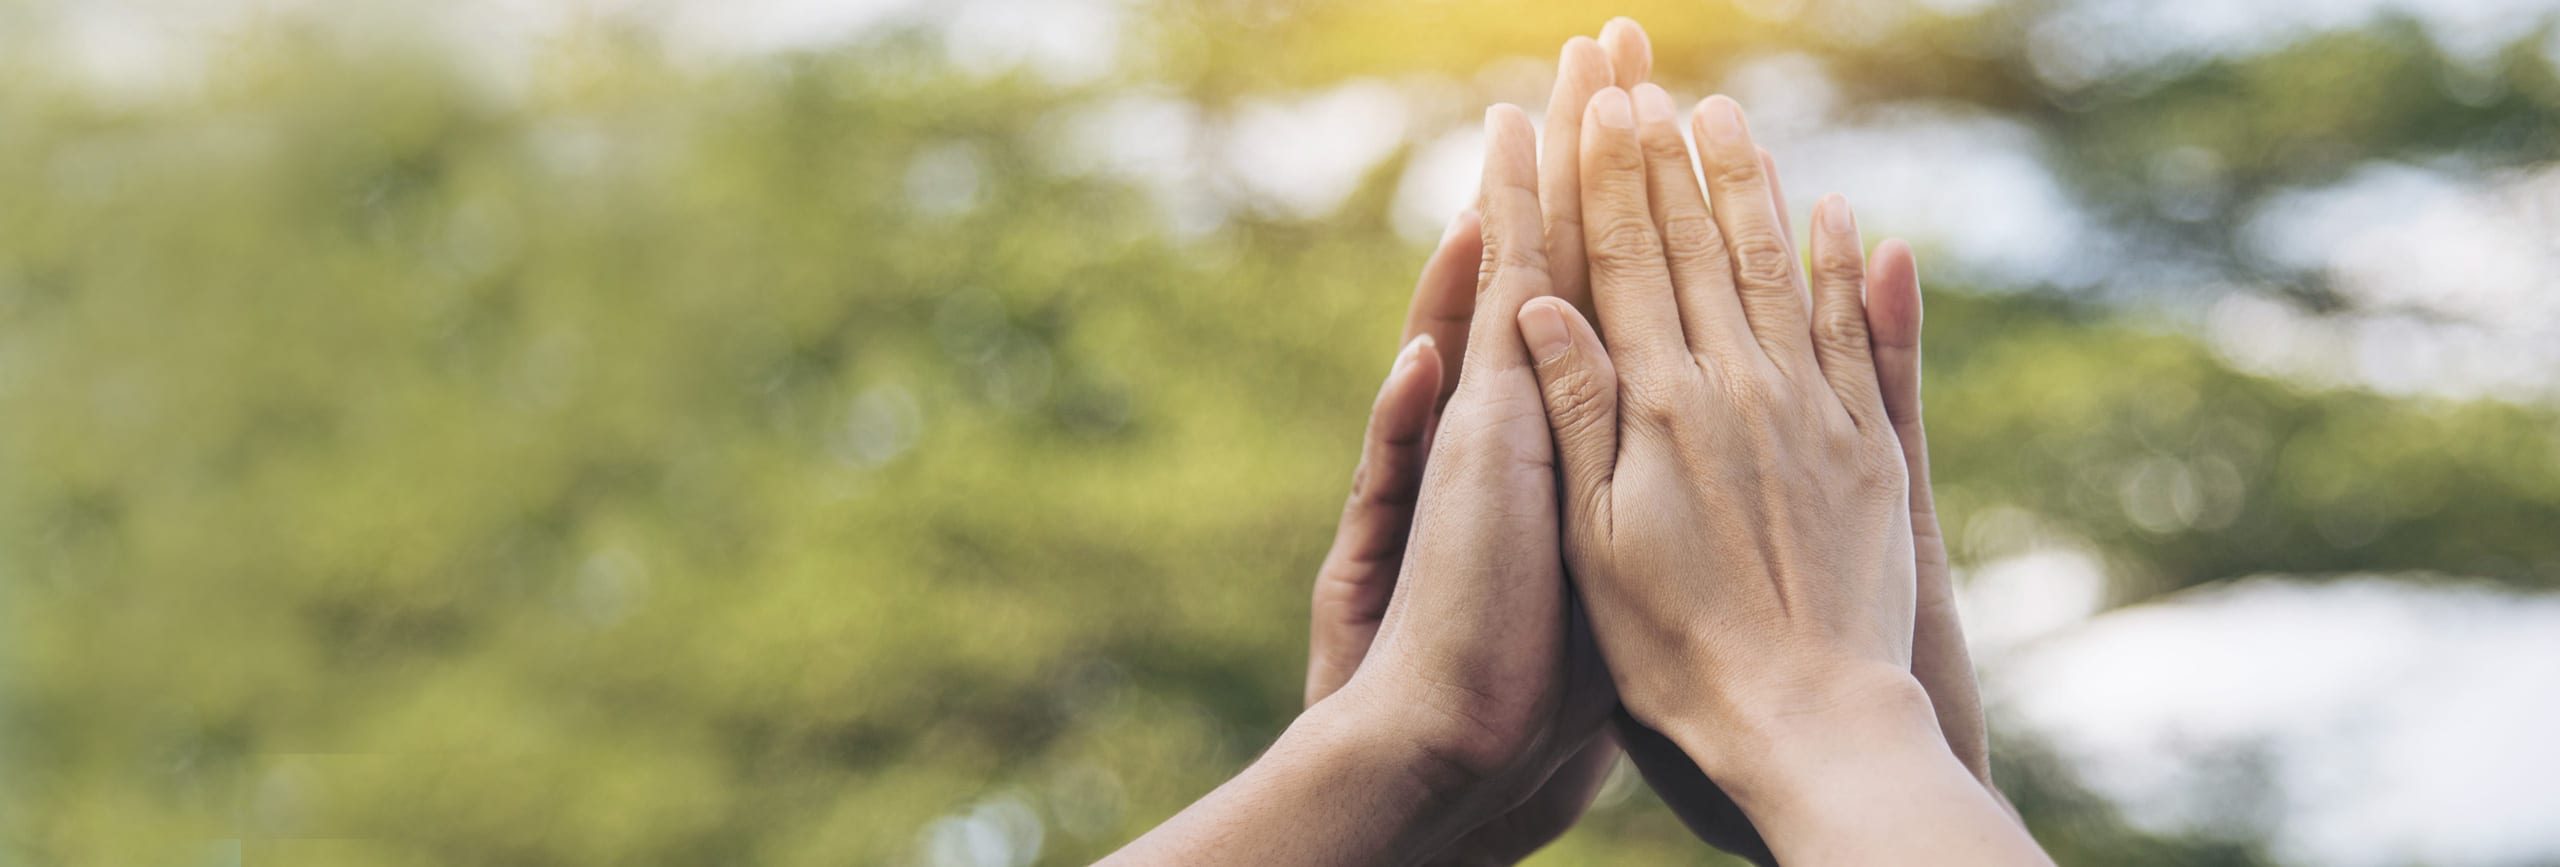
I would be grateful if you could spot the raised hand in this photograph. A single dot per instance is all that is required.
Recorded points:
(1478, 643)
(1358, 577)
(1479, 684)
(1735, 498)
(1357, 580)
(1939, 658)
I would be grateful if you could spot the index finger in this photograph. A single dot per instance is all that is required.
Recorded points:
(1444, 299)
(1513, 267)
(1581, 72)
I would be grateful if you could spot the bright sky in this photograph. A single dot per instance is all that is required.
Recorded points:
(2395, 722)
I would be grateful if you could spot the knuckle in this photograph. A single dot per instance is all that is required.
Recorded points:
(1843, 330)
(1649, 399)
(1742, 176)
(1760, 257)
(1617, 156)
(1502, 256)
(1752, 395)
(1691, 235)
(1560, 222)
(1576, 400)
(1880, 473)
(1624, 241)
(1667, 149)
(1840, 268)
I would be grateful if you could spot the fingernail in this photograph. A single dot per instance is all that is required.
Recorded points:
(1836, 218)
(1543, 328)
(1412, 352)
(1653, 103)
(1611, 106)
(1722, 118)
(1457, 223)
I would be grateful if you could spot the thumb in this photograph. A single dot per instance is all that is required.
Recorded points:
(1581, 392)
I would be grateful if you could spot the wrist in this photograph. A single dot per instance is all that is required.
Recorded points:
(1337, 768)
(1379, 757)
(1772, 752)
(1857, 772)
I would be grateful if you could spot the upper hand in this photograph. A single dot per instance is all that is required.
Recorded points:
(1735, 494)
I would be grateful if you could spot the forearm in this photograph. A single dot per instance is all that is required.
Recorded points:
(1335, 789)
(1869, 780)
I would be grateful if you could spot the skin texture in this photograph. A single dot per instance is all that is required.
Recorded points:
(1736, 505)
(1357, 580)
(1406, 780)
(1479, 683)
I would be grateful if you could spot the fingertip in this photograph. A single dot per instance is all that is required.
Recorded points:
(1508, 129)
(1409, 359)
(1835, 217)
(1894, 268)
(1461, 225)
(1582, 48)
(1611, 108)
(1893, 294)
(1581, 69)
(1427, 365)
(1401, 415)
(1721, 129)
(1653, 104)
(1895, 255)
(1542, 328)
(1511, 151)
(1630, 49)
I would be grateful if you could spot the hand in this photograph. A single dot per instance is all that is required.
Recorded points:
(1357, 580)
(1479, 684)
(1478, 644)
(1939, 657)
(1735, 499)
(1940, 661)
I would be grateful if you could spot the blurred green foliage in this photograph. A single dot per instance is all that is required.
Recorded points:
(669, 465)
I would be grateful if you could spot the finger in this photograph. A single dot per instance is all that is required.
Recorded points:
(1630, 51)
(1392, 453)
(1939, 659)
(1630, 282)
(1359, 573)
(1840, 313)
(1765, 273)
(1581, 392)
(1582, 71)
(1778, 202)
(1445, 298)
(1513, 266)
(1893, 325)
(1711, 319)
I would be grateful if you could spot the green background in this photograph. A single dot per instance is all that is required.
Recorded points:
(624, 469)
